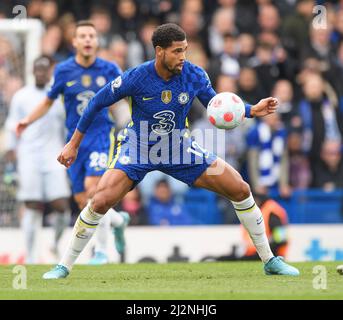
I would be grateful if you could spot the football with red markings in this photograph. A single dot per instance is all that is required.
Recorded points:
(226, 110)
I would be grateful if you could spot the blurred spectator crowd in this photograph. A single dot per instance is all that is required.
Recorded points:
(253, 48)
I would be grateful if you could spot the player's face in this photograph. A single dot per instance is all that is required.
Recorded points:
(173, 57)
(86, 41)
(42, 75)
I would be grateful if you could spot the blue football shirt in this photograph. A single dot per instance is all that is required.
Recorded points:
(161, 105)
(78, 85)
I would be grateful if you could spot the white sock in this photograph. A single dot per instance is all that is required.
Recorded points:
(31, 223)
(61, 221)
(251, 218)
(116, 219)
(83, 231)
(101, 234)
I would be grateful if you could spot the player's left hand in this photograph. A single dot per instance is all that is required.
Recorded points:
(264, 107)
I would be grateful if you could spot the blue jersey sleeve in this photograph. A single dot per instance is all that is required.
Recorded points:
(114, 91)
(247, 110)
(206, 92)
(57, 85)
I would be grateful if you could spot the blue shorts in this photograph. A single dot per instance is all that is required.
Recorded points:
(95, 153)
(186, 166)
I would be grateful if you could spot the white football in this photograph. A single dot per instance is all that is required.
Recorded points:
(226, 110)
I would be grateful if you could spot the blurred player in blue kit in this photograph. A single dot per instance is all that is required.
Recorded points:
(77, 80)
(161, 92)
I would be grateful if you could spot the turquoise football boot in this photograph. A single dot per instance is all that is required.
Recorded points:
(118, 232)
(277, 266)
(58, 272)
(98, 258)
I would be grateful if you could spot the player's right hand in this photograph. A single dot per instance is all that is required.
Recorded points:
(21, 126)
(68, 155)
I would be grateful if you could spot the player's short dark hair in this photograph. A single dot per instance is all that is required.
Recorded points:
(165, 34)
(84, 23)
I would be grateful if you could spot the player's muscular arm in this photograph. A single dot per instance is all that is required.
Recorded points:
(41, 109)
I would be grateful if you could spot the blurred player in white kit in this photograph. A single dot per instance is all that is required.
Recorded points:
(41, 178)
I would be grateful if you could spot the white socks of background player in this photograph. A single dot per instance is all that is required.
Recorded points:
(83, 231)
(251, 218)
(31, 224)
(111, 218)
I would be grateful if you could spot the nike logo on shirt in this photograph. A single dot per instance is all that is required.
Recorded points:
(71, 83)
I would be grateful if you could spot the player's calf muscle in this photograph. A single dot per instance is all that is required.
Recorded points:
(233, 185)
(105, 199)
(112, 187)
(237, 190)
(229, 184)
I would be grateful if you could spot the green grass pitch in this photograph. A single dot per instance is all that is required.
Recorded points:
(194, 281)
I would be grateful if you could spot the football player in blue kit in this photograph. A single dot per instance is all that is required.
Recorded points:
(161, 92)
(78, 79)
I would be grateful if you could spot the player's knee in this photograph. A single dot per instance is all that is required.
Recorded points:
(100, 204)
(243, 191)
